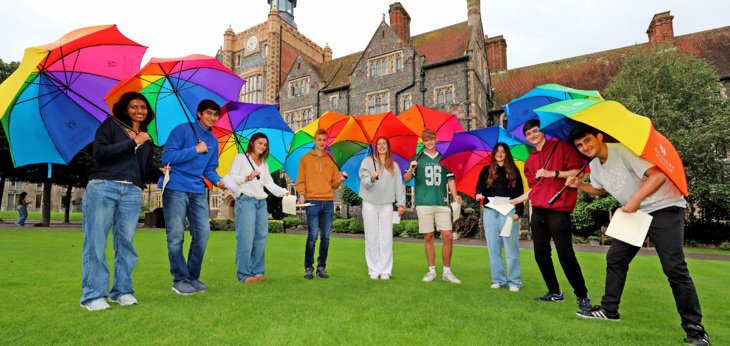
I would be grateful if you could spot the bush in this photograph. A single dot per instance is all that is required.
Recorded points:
(276, 226)
(292, 222)
(410, 229)
(356, 226)
(222, 225)
(341, 225)
(707, 232)
(398, 229)
(725, 245)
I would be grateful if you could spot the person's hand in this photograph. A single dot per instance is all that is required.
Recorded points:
(221, 184)
(631, 206)
(142, 137)
(165, 169)
(343, 175)
(286, 193)
(457, 198)
(413, 165)
(253, 175)
(515, 217)
(544, 173)
(479, 197)
(572, 182)
(301, 199)
(401, 210)
(374, 177)
(201, 148)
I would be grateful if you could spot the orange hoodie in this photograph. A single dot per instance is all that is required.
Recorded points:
(318, 177)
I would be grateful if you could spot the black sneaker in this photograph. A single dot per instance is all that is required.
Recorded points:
(551, 297)
(598, 313)
(697, 338)
(584, 304)
(322, 273)
(309, 273)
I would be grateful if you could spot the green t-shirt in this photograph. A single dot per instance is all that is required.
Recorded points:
(431, 181)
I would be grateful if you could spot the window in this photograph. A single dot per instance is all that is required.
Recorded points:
(38, 200)
(266, 50)
(409, 197)
(406, 101)
(16, 185)
(377, 102)
(252, 91)
(12, 201)
(444, 95)
(299, 86)
(239, 59)
(333, 101)
(39, 187)
(385, 64)
(298, 118)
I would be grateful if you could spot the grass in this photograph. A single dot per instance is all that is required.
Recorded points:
(9, 215)
(40, 271)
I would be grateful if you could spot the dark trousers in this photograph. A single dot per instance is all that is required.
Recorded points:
(546, 224)
(667, 234)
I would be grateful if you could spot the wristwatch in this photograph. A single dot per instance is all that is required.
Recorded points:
(557, 173)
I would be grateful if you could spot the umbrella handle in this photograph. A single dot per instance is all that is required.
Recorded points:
(557, 195)
(251, 163)
(374, 166)
(546, 162)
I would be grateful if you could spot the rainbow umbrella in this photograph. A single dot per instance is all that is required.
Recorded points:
(419, 118)
(471, 150)
(357, 138)
(634, 131)
(175, 86)
(303, 141)
(52, 105)
(239, 121)
(521, 109)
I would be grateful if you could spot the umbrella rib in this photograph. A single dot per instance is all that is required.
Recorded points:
(184, 108)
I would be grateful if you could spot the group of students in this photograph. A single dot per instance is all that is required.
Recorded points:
(124, 163)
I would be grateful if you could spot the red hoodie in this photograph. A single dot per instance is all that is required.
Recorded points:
(565, 158)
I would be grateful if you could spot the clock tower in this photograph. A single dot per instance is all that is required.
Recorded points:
(285, 9)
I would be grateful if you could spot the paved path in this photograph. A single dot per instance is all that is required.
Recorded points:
(524, 244)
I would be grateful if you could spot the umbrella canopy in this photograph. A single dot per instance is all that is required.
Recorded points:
(521, 109)
(303, 141)
(470, 151)
(358, 137)
(52, 105)
(634, 131)
(419, 118)
(239, 121)
(175, 86)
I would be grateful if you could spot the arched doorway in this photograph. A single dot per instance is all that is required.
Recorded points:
(227, 208)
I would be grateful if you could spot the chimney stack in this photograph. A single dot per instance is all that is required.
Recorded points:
(473, 12)
(496, 53)
(661, 28)
(400, 21)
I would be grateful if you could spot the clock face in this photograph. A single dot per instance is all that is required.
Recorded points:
(251, 43)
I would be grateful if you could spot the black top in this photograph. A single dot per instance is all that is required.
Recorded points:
(115, 157)
(500, 186)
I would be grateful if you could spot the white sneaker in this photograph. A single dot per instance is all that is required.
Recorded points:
(124, 300)
(429, 276)
(450, 277)
(384, 277)
(514, 288)
(495, 285)
(97, 304)
(374, 277)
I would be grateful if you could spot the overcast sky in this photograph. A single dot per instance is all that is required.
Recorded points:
(536, 31)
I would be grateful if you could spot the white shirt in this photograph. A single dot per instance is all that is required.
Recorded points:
(241, 169)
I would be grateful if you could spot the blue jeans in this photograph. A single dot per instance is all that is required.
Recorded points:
(493, 223)
(319, 220)
(194, 206)
(108, 204)
(252, 231)
(23, 215)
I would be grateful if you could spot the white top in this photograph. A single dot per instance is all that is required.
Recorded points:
(240, 169)
(622, 175)
(388, 188)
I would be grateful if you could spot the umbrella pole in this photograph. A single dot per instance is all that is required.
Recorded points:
(557, 195)
(375, 167)
(244, 153)
(548, 160)
(184, 108)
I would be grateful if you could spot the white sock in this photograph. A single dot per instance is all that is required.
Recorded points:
(447, 269)
(432, 269)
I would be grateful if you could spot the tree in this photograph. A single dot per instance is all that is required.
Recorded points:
(6, 161)
(349, 198)
(682, 96)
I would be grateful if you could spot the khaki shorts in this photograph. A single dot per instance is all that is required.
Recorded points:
(427, 214)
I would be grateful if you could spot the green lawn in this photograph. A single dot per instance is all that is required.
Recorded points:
(40, 272)
(9, 215)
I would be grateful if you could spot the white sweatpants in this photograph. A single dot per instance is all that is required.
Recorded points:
(378, 222)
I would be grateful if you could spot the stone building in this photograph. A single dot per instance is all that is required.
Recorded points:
(35, 196)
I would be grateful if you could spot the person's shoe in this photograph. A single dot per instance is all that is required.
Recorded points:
(514, 288)
(598, 313)
(697, 338)
(309, 273)
(124, 300)
(584, 304)
(384, 277)
(184, 288)
(450, 277)
(495, 285)
(551, 297)
(199, 286)
(250, 280)
(260, 277)
(321, 273)
(374, 277)
(97, 304)
(429, 276)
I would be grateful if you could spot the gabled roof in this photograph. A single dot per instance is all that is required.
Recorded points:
(595, 71)
(337, 72)
(443, 44)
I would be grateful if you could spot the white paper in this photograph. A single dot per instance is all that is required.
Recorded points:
(231, 186)
(507, 228)
(498, 199)
(165, 180)
(289, 205)
(455, 211)
(629, 228)
(502, 207)
(396, 218)
(304, 205)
